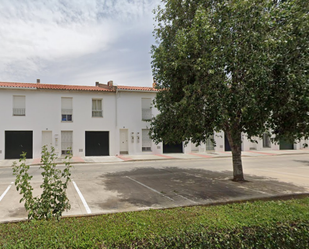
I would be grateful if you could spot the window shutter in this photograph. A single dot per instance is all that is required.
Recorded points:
(146, 109)
(19, 102)
(19, 106)
(66, 103)
(66, 106)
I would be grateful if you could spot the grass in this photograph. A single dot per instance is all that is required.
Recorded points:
(259, 224)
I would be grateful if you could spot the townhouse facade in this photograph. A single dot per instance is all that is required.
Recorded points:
(100, 120)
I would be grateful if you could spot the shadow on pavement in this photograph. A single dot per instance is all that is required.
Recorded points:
(171, 187)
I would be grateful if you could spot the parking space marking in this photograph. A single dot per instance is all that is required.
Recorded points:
(82, 198)
(7, 189)
(149, 188)
(185, 198)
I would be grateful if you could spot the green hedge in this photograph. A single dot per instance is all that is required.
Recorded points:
(271, 224)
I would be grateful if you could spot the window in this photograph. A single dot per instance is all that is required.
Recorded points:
(97, 108)
(146, 109)
(19, 106)
(146, 141)
(266, 141)
(66, 142)
(209, 143)
(66, 109)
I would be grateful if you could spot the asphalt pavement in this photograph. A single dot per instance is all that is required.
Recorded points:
(133, 183)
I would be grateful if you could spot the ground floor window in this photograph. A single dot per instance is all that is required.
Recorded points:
(266, 141)
(66, 142)
(146, 141)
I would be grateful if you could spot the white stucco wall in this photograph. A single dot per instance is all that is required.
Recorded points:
(121, 110)
(43, 112)
(129, 116)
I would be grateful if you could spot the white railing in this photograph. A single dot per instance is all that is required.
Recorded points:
(146, 114)
(19, 111)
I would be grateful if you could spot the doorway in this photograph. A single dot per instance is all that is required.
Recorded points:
(124, 147)
(97, 143)
(17, 142)
(47, 139)
(173, 148)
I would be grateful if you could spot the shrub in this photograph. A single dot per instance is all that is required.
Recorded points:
(53, 200)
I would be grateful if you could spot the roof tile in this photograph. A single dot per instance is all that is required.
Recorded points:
(54, 87)
(101, 88)
(137, 88)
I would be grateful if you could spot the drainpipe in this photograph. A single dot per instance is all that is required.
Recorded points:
(116, 107)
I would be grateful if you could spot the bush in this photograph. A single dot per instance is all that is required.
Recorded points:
(53, 200)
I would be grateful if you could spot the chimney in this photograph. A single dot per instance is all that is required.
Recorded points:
(110, 83)
(97, 83)
(38, 81)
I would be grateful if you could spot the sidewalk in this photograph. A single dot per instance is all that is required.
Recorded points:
(151, 157)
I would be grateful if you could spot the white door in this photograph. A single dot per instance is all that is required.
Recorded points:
(194, 147)
(47, 139)
(123, 141)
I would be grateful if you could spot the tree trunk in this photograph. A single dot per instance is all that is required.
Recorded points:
(234, 139)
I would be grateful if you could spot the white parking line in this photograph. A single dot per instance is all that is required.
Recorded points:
(82, 198)
(185, 198)
(149, 188)
(7, 189)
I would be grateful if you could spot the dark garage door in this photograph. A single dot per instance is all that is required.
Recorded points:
(286, 144)
(17, 142)
(97, 143)
(227, 146)
(172, 148)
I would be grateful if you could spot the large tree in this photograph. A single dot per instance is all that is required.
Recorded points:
(233, 65)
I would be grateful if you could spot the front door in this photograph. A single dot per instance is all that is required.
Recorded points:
(17, 142)
(47, 139)
(124, 141)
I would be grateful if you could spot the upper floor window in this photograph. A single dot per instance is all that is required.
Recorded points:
(97, 110)
(66, 109)
(19, 106)
(146, 109)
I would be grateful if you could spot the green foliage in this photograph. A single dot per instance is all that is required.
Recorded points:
(271, 224)
(237, 66)
(53, 200)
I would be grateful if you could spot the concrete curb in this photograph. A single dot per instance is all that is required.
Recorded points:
(211, 156)
(283, 197)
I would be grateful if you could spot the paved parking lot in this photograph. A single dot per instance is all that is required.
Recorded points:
(131, 186)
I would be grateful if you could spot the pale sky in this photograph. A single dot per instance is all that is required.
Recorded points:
(76, 42)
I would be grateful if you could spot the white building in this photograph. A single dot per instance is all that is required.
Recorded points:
(96, 120)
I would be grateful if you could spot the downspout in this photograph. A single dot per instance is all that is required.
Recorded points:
(116, 107)
(116, 122)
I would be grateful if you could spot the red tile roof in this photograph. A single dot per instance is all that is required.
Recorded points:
(137, 88)
(54, 87)
(100, 88)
